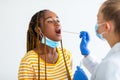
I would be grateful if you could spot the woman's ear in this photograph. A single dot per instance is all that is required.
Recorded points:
(108, 26)
(36, 30)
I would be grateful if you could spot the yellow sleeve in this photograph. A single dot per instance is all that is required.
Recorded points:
(25, 71)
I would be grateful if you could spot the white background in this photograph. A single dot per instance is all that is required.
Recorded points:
(75, 16)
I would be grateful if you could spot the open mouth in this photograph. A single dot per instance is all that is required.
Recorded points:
(58, 31)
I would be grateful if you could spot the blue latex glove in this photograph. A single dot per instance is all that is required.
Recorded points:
(84, 42)
(79, 74)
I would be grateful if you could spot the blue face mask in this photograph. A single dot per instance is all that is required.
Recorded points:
(50, 43)
(97, 34)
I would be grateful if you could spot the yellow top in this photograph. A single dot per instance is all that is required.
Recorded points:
(28, 69)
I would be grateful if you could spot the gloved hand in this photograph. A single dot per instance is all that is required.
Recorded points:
(79, 74)
(84, 42)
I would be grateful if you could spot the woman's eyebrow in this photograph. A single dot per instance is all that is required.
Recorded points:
(50, 17)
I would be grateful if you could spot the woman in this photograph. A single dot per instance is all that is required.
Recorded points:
(44, 60)
(107, 28)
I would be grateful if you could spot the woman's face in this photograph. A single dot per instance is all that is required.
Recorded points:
(52, 26)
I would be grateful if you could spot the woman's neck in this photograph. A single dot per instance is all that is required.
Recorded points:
(113, 40)
(49, 50)
(50, 53)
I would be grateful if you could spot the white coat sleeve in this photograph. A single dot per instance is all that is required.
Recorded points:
(90, 63)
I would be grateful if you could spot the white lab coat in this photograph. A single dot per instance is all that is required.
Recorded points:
(108, 69)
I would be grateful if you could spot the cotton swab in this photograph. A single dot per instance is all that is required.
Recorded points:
(70, 32)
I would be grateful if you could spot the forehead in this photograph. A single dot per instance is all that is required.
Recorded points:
(50, 14)
(100, 15)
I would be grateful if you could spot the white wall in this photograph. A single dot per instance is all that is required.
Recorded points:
(75, 16)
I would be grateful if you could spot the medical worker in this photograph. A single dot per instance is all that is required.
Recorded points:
(107, 28)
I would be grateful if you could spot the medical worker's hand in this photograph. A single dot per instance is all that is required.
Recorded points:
(84, 42)
(79, 74)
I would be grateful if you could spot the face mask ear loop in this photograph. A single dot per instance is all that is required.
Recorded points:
(45, 50)
(68, 74)
(102, 33)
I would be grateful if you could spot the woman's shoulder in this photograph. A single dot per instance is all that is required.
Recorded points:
(111, 63)
(66, 51)
(29, 55)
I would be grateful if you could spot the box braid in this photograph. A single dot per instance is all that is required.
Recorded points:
(34, 36)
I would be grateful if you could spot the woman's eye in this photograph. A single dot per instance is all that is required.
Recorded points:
(50, 21)
(58, 21)
(53, 21)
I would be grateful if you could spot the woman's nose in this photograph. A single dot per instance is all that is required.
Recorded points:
(56, 23)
